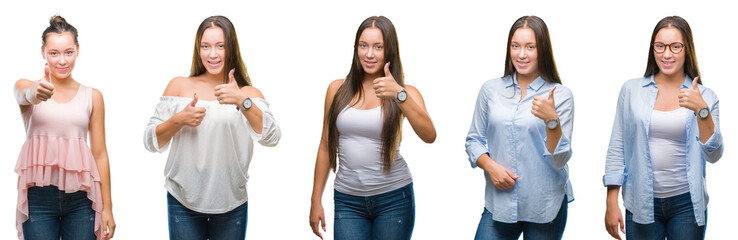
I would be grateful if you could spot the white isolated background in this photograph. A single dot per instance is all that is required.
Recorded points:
(294, 49)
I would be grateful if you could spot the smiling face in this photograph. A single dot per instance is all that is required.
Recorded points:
(212, 50)
(669, 63)
(524, 53)
(371, 51)
(60, 52)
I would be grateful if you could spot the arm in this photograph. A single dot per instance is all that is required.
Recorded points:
(322, 167)
(613, 215)
(558, 140)
(29, 93)
(100, 152)
(476, 146)
(414, 109)
(712, 148)
(164, 124)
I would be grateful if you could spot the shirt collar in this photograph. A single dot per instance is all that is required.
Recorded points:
(535, 85)
(649, 81)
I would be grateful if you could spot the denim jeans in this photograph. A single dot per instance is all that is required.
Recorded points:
(54, 214)
(490, 229)
(673, 219)
(385, 216)
(185, 224)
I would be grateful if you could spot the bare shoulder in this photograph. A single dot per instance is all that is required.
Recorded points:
(97, 100)
(334, 86)
(252, 92)
(175, 86)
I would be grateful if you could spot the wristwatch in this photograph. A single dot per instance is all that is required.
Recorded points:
(552, 123)
(401, 96)
(703, 112)
(246, 104)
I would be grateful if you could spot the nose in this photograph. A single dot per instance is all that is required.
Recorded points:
(212, 53)
(667, 53)
(522, 54)
(63, 60)
(370, 53)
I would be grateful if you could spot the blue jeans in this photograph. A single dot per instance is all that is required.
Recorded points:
(54, 214)
(385, 216)
(185, 224)
(490, 229)
(673, 219)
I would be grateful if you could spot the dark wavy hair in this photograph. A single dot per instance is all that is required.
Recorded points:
(691, 68)
(392, 123)
(233, 52)
(546, 63)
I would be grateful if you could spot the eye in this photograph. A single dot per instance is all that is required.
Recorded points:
(52, 53)
(380, 46)
(531, 47)
(515, 46)
(676, 46)
(204, 46)
(221, 46)
(70, 52)
(362, 45)
(659, 46)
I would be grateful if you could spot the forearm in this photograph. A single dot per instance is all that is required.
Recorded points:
(612, 195)
(103, 168)
(166, 130)
(322, 169)
(419, 119)
(552, 138)
(706, 127)
(485, 162)
(25, 94)
(255, 117)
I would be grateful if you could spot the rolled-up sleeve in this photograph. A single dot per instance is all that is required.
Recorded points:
(615, 161)
(164, 110)
(712, 149)
(476, 139)
(270, 132)
(565, 110)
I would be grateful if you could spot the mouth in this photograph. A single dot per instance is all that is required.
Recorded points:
(62, 69)
(370, 63)
(667, 63)
(214, 63)
(522, 64)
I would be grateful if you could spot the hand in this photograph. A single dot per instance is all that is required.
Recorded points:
(317, 218)
(386, 87)
(192, 116)
(43, 88)
(230, 93)
(108, 224)
(544, 108)
(501, 177)
(614, 220)
(692, 98)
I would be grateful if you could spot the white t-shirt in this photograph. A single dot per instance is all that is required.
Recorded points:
(667, 142)
(207, 168)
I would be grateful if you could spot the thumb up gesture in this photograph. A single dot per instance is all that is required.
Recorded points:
(386, 87)
(692, 98)
(192, 116)
(544, 108)
(43, 88)
(230, 93)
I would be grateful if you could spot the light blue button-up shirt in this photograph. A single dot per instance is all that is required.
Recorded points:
(504, 127)
(628, 157)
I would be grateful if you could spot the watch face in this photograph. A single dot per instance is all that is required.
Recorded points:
(402, 96)
(551, 124)
(247, 103)
(704, 112)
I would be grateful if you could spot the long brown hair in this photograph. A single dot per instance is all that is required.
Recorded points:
(546, 63)
(690, 62)
(352, 86)
(58, 24)
(233, 52)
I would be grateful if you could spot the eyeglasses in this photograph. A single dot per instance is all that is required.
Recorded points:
(675, 47)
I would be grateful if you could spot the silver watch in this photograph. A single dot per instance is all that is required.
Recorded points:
(703, 113)
(401, 96)
(246, 104)
(552, 123)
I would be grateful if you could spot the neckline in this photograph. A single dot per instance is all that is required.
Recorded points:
(377, 107)
(76, 94)
(669, 111)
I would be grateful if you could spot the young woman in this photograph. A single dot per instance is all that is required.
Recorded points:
(362, 127)
(666, 127)
(212, 139)
(520, 136)
(63, 185)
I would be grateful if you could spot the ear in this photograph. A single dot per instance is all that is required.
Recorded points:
(77, 54)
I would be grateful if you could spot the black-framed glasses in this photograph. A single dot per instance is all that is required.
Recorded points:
(675, 47)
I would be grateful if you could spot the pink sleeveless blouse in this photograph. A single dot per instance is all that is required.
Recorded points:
(56, 153)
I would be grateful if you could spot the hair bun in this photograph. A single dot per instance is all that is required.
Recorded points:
(57, 19)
